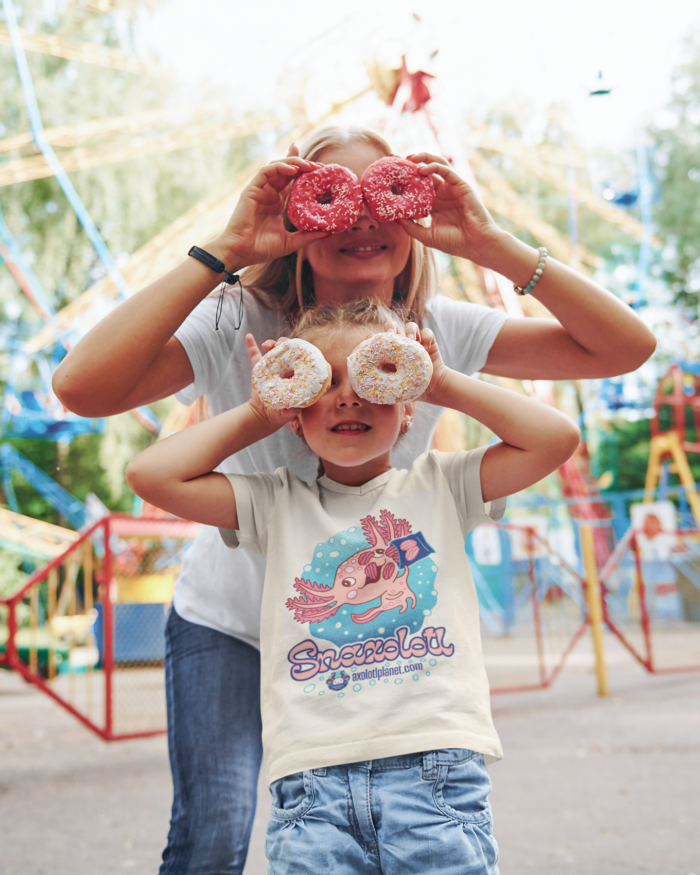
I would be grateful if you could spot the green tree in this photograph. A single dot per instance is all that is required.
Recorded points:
(678, 155)
(130, 202)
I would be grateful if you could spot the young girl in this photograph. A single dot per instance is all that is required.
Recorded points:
(376, 718)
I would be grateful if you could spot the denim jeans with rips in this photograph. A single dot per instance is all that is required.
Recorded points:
(424, 813)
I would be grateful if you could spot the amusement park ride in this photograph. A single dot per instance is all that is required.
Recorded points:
(138, 559)
(677, 395)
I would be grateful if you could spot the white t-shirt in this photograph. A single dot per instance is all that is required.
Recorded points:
(370, 640)
(222, 589)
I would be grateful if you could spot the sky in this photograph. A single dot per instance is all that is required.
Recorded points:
(261, 55)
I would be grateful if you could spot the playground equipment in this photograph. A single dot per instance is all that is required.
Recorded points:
(33, 538)
(29, 407)
(67, 505)
(677, 394)
(663, 642)
(77, 632)
(71, 50)
(532, 610)
(98, 649)
(87, 627)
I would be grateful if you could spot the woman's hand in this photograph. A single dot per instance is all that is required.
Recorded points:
(255, 233)
(460, 224)
(427, 340)
(275, 418)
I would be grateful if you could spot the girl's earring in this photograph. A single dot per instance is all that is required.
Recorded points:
(406, 425)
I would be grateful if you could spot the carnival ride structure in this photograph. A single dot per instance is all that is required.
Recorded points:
(99, 602)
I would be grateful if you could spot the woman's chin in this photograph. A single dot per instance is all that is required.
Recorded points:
(344, 270)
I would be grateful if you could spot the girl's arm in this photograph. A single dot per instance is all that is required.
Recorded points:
(596, 334)
(131, 357)
(177, 474)
(536, 439)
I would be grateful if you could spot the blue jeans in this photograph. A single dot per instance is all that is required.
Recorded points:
(424, 813)
(212, 684)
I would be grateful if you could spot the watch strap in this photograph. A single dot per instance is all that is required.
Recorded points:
(207, 259)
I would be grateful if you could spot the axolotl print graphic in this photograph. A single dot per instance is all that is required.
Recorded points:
(379, 570)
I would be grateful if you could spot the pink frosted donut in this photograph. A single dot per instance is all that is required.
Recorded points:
(389, 368)
(327, 199)
(394, 189)
(293, 374)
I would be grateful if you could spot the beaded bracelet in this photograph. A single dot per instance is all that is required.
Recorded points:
(536, 276)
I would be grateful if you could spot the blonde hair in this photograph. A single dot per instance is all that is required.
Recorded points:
(287, 283)
(334, 318)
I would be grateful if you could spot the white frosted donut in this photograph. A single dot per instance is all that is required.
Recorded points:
(293, 374)
(389, 368)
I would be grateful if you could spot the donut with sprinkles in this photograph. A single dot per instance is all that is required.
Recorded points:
(394, 189)
(389, 368)
(292, 374)
(326, 199)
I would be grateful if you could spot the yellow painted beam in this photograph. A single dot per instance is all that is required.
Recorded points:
(87, 53)
(36, 536)
(67, 136)
(500, 197)
(669, 444)
(539, 160)
(595, 610)
(204, 221)
(137, 146)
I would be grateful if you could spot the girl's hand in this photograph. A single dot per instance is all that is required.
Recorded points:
(427, 339)
(255, 233)
(275, 418)
(460, 224)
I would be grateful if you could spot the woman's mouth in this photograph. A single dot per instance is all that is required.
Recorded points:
(363, 251)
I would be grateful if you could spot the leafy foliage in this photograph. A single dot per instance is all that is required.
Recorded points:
(130, 202)
(678, 213)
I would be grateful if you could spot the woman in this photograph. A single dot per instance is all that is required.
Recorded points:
(162, 341)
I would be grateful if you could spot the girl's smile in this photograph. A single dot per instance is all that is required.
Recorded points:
(351, 427)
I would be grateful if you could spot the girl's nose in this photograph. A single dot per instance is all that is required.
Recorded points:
(346, 395)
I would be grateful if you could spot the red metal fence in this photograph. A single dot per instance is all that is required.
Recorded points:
(651, 600)
(547, 618)
(87, 628)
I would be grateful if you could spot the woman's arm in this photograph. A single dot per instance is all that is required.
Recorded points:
(596, 334)
(131, 357)
(536, 439)
(177, 474)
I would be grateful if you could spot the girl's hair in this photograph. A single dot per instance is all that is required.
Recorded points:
(334, 318)
(274, 284)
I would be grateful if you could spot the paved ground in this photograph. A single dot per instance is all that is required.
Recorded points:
(588, 787)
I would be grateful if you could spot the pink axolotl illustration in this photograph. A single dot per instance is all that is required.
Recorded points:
(369, 574)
